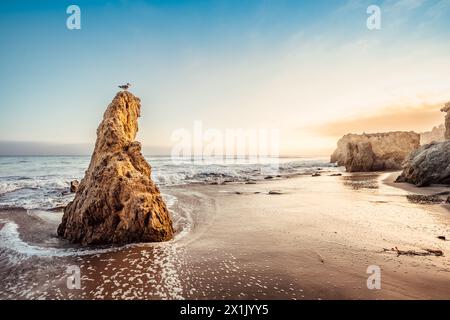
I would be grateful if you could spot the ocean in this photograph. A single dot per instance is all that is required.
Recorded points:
(42, 182)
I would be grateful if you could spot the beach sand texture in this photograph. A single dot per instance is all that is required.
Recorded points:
(315, 240)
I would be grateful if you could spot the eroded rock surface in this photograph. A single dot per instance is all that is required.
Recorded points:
(116, 201)
(430, 164)
(374, 152)
(437, 134)
(74, 186)
(446, 109)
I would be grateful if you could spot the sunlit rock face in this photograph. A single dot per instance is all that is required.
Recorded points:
(117, 202)
(376, 151)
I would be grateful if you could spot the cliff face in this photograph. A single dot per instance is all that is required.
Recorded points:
(446, 109)
(117, 202)
(430, 164)
(374, 152)
(435, 135)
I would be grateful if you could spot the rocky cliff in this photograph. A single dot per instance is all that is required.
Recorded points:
(435, 135)
(117, 202)
(446, 109)
(374, 152)
(430, 164)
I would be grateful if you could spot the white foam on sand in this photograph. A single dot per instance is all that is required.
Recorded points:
(156, 267)
(10, 239)
(10, 236)
(156, 270)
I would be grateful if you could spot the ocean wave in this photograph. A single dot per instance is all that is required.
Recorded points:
(219, 174)
(43, 183)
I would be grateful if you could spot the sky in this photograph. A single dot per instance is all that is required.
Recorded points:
(311, 69)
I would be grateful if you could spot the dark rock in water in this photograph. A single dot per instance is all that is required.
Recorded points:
(336, 175)
(316, 174)
(74, 186)
(117, 202)
(275, 192)
(430, 164)
(441, 238)
(268, 177)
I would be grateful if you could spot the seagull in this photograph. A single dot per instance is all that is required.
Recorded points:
(125, 86)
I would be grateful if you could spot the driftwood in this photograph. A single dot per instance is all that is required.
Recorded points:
(425, 252)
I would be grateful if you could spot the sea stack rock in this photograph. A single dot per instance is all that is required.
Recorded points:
(446, 109)
(116, 202)
(374, 152)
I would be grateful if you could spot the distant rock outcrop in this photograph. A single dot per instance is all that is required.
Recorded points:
(117, 202)
(374, 152)
(430, 164)
(437, 134)
(446, 109)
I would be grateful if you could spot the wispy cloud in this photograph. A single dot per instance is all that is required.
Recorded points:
(419, 118)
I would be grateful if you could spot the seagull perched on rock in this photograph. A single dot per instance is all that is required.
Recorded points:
(125, 86)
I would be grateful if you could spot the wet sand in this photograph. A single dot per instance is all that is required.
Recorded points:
(315, 240)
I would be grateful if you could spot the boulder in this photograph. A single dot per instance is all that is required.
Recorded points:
(430, 164)
(116, 201)
(374, 152)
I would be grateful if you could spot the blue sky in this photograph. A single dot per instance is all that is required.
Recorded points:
(232, 64)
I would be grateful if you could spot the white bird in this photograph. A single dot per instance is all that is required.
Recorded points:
(125, 86)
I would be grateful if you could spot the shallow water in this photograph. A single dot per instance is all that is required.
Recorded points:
(236, 241)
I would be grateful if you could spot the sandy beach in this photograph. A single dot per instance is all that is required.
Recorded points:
(313, 239)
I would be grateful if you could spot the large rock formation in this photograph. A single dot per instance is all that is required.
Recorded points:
(446, 109)
(374, 152)
(117, 202)
(435, 135)
(430, 164)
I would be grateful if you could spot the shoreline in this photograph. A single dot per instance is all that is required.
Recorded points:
(313, 239)
(429, 190)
